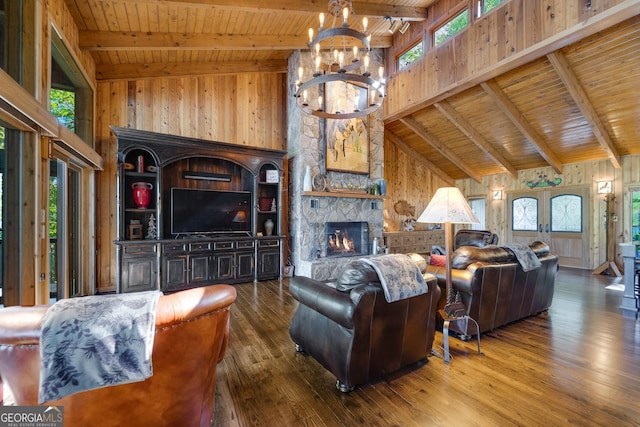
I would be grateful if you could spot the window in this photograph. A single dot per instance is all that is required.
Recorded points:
(566, 213)
(525, 214)
(71, 96)
(478, 208)
(487, 5)
(11, 38)
(410, 56)
(451, 27)
(635, 215)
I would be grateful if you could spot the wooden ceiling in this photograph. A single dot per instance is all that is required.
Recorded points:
(577, 104)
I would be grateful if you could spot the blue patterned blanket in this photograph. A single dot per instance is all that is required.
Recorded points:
(399, 276)
(96, 341)
(525, 256)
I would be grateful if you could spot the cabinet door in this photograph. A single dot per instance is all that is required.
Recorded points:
(175, 273)
(245, 268)
(139, 274)
(225, 267)
(269, 264)
(200, 269)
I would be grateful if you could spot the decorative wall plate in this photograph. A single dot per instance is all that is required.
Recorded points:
(319, 182)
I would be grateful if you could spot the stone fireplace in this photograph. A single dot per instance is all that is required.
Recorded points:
(346, 238)
(311, 212)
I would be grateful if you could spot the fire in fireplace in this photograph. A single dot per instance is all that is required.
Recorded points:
(347, 238)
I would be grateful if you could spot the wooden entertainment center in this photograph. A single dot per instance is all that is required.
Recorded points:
(207, 212)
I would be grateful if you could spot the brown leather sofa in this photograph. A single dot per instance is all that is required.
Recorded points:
(354, 332)
(494, 287)
(192, 329)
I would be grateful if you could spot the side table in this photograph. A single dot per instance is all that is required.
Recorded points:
(447, 319)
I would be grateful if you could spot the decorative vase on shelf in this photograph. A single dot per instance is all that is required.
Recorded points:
(141, 194)
(268, 227)
(306, 183)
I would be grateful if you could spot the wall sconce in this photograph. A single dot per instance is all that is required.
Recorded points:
(497, 194)
(605, 187)
(405, 26)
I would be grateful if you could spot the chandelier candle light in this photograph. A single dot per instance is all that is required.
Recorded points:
(340, 54)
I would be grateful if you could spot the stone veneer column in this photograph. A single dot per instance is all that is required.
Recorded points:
(307, 147)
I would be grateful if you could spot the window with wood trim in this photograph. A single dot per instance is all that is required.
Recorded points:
(524, 214)
(410, 55)
(485, 6)
(451, 27)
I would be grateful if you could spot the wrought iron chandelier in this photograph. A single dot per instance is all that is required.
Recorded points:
(341, 86)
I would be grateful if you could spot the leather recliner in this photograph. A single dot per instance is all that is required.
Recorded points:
(357, 335)
(192, 329)
(467, 237)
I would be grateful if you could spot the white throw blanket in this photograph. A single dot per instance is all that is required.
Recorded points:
(399, 276)
(96, 341)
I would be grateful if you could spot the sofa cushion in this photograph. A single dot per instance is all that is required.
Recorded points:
(539, 248)
(421, 261)
(438, 260)
(467, 255)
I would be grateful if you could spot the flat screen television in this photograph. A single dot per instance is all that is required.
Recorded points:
(198, 211)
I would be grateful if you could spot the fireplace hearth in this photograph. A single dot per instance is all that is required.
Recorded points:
(347, 238)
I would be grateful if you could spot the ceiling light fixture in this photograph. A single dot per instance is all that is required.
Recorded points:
(341, 82)
(393, 24)
(405, 26)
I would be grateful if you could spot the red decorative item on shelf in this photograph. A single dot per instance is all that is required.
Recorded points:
(264, 204)
(141, 194)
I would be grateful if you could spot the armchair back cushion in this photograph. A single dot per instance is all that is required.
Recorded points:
(192, 329)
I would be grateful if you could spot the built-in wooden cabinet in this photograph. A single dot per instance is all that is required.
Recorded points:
(403, 242)
(214, 213)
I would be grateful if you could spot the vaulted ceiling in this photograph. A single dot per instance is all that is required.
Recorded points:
(575, 104)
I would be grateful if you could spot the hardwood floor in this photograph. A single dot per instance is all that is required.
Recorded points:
(577, 364)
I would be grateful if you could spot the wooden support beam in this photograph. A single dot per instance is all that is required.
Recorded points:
(504, 103)
(571, 82)
(140, 71)
(470, 132)
(435, 142)
(395, 139)
(134, 41)
(371, 10)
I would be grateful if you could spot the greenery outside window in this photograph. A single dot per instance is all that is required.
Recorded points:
(63, 106)
(635, 215)
(410, 56)
(488, 5)
(450, 28)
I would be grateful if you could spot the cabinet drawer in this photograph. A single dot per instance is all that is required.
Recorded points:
(269, 243)
(141, 249)
(221, 246)
(395, 240)
(419, 238)
(199, 247)
(172, 248)
(245, 244)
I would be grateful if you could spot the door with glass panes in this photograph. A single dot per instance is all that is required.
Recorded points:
(556, 216)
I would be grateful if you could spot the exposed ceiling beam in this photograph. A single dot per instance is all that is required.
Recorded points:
(568, 77)
(112, 40)
(371, 10)
(395, 139)
(465, 127)
(435, 142)
(138, 71)
(516, 117)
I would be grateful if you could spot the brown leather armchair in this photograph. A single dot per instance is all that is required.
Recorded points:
(192, 329)
(355, 333)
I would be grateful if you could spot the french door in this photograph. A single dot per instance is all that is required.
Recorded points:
(556, 216)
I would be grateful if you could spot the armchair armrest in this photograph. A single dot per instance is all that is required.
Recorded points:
(326, 300)
(21, 325)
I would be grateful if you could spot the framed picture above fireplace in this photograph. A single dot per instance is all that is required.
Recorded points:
(347, 147)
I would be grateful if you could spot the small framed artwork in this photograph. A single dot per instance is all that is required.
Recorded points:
(347, 139)
(272, 176)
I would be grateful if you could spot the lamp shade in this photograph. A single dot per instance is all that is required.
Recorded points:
(241, 216)
(448, 205)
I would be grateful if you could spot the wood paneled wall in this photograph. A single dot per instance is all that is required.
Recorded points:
(574, 175)
(245, 108)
